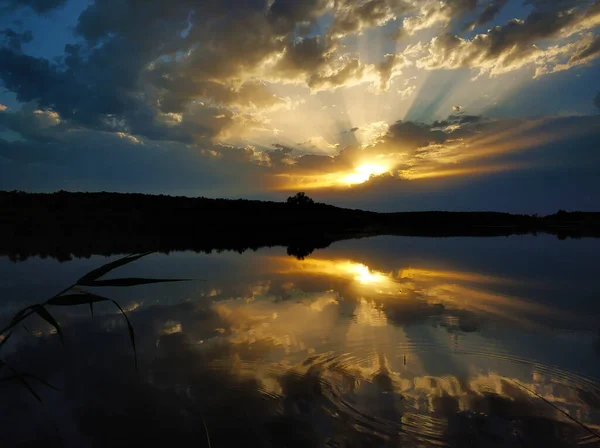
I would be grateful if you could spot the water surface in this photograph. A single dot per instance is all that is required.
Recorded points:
(385, 341)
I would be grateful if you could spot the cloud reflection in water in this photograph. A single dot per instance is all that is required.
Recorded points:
(327, 350)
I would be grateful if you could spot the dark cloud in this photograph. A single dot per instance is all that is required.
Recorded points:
(313, 163)
(597, 100)
(97, 160)
(490, 12)
(280, 157)
(309, 55)
(100, 84)
(555, 5)
(39, 6)
(353, 17)
(14, 40)
(459, 118)
(406, 135)
(34, 124)
(32, 78)
(289, 12)
(588, 52)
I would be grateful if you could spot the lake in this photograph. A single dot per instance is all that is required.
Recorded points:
(383, 341)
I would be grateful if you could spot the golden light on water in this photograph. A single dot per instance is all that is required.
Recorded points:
(364, 275)
(432, 274)
(346, 269)
(453, 289)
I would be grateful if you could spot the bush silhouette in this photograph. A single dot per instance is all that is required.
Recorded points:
(300, 199)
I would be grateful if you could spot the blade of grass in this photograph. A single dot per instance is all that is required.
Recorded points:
(131, 333)
(206, 430)
(44, 314)
(76, 299)
(587, 428)
(134, 281)
(28, 387)
(99, 272)
(17, 318)
(41, 380)
(6, 338)
(24, 327)
(21, 376)
(87, 297)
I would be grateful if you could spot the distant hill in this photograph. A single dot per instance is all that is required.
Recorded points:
(81, 224)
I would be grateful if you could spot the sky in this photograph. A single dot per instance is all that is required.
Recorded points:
(387, 105)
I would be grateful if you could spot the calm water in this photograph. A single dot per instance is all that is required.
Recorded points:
(385, 341)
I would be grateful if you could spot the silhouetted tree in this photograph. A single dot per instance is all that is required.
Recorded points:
(300, 199)
(300, 251)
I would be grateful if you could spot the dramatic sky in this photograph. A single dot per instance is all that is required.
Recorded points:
(377, 104)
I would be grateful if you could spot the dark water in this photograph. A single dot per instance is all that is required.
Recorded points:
(387, 341)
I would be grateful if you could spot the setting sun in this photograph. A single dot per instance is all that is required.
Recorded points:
(359, 175)
(362, 174)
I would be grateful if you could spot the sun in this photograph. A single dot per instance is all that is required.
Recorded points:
(362, 174)
(344, 179)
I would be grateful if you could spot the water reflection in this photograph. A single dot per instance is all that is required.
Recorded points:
(333, 350)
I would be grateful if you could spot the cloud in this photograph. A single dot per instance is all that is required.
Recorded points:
(98, 160)
(460, 145)
(318, 145)
(167, 72)
(32, 123)
(353, 17)
(39, 6)
(406, 136)
(14, 40)
(491, 10)
(435, 13)
(407, 158)
(134, 67)
(512, 46)
(279, 157)
(290, 12)
(597, 100)
(96, 84)
(308, 55)
(563, 57)
(194, 75)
